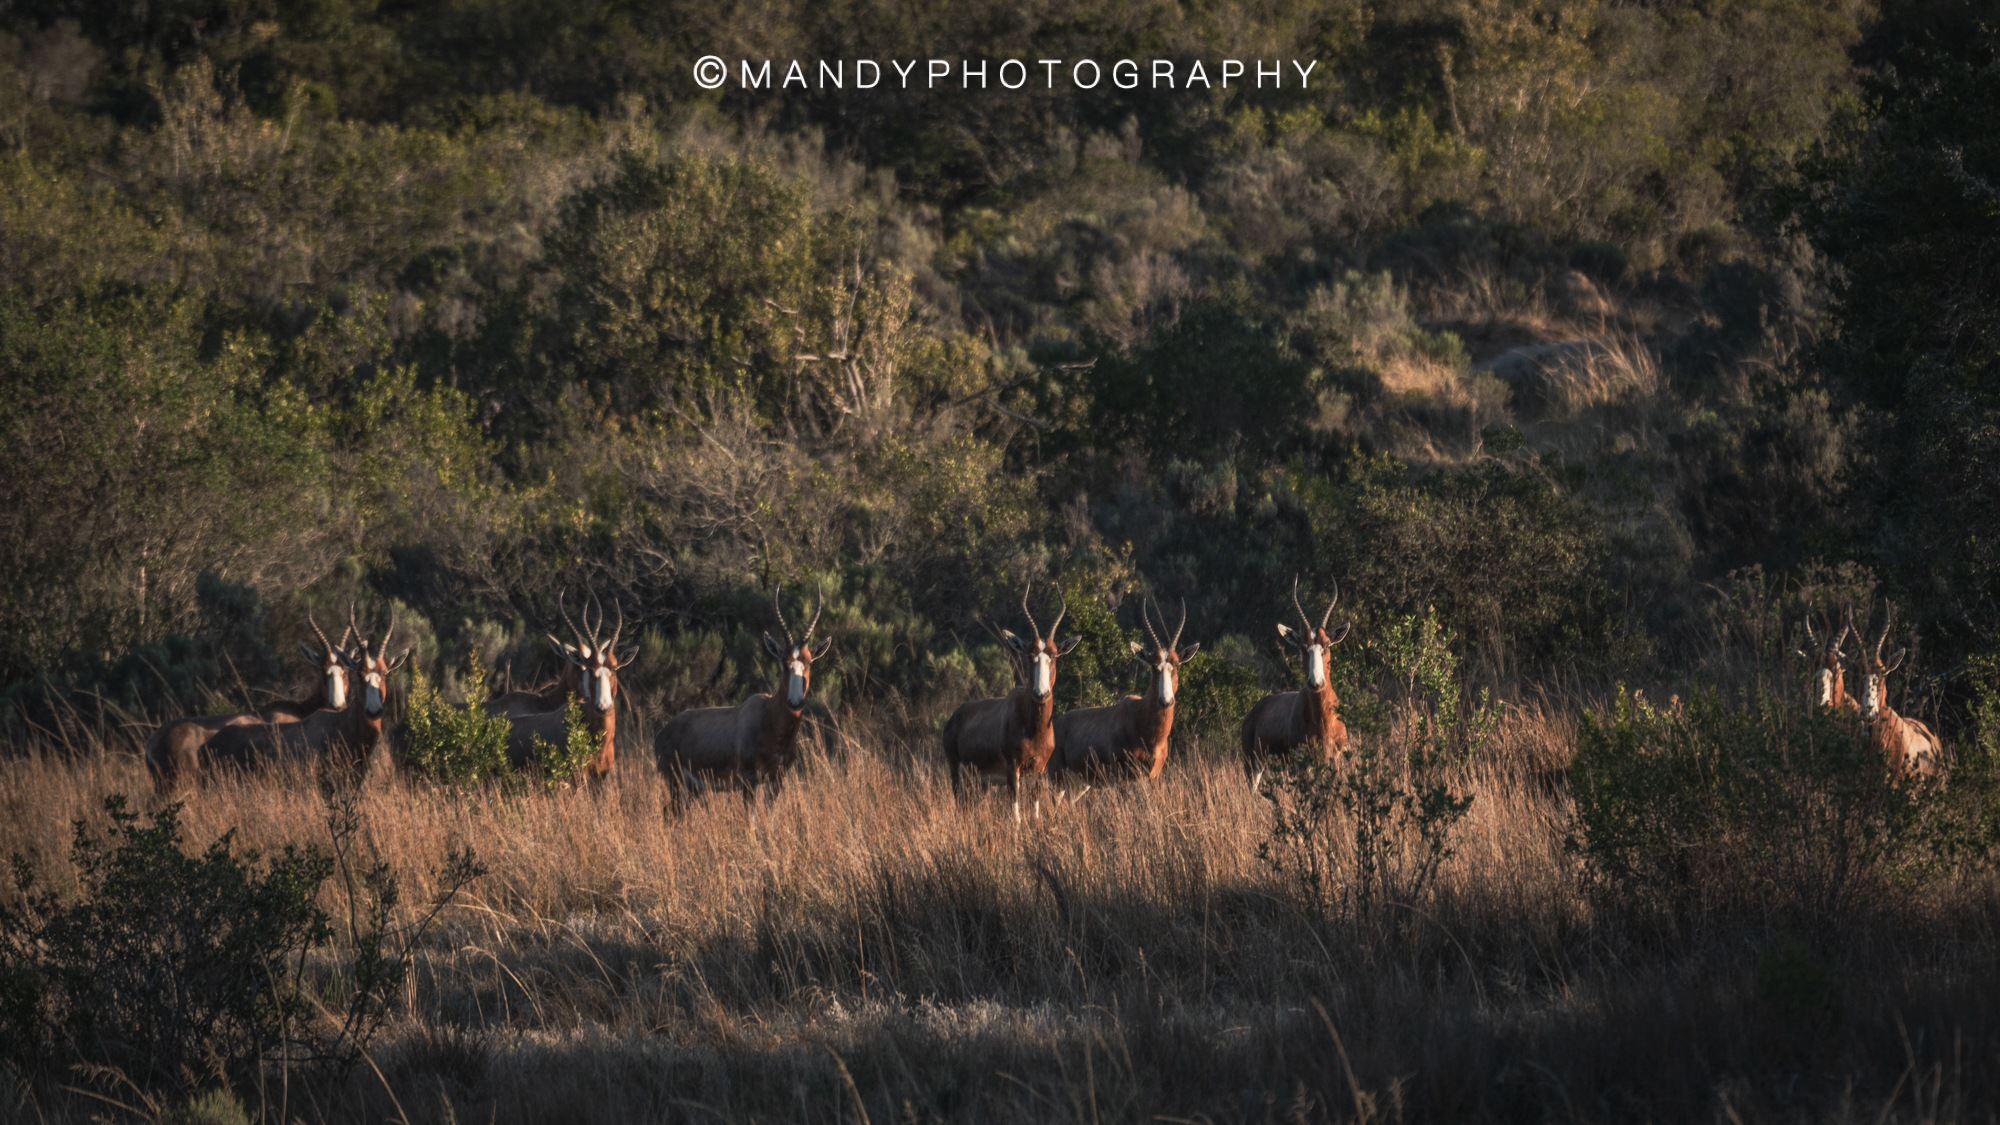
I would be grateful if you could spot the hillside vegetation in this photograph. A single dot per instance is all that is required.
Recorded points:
(1582, 346)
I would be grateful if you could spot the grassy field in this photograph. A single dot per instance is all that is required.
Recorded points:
(864, 950)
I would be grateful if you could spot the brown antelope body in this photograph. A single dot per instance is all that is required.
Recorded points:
(1128, 737)
(1907, 745)
(1308, 719)
(550, 697)
(341, 743)
(753, 743)
(173, 752)
(593, 669)
(1010, 737)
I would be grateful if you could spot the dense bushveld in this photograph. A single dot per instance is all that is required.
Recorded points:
(1608, 340)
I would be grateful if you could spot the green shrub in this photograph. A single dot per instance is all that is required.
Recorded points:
(167, 967)
(453, 744)
(1374, 823)
(1218, 687)
(169, 971)
(561, 766)
(1750, 800)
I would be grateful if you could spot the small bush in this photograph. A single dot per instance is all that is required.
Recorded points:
(560, 766)
(453, 745)
(168, 972)
(1380, 815)
(1750, 801)
(168, 968)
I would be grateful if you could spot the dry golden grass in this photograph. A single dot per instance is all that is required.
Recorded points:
(865, 950)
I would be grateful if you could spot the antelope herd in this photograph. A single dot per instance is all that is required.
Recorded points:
(1018, 737)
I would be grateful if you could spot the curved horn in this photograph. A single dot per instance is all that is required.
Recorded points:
(574, 631)
(326, 644)
(344, 637)
(597, 630)
(356, 629)
(618, 629)
(819, 603)
(1062, 607)
(386, 634)
(1888, 620)
(1324, 617)
(1812, 642)
(1176, 642)
(779, 610)
(1846, 627)
(1305, 623)
(1148, 619)
(1037, 629)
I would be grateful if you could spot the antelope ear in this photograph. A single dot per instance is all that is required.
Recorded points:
(628, 658)
(347, 658)
(1338, 634)
(398, 662)
(1895, 661)
(312, 657)
(566, 652)
(1013, 642)
(772, 646)
(1285, 635)
(1137, 648)
(1188, 652)
(1069, 646)
(824, 646)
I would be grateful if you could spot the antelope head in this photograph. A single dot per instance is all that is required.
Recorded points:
(595, 659)
(1316, 643)
(327, 660)
(1875, 671)
(797, 656)
(1041, 653)
(1824, 659)
(372, 667)
(1163, 661)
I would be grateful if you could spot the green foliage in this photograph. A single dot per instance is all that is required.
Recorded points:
(683, 280)
(1099, 669)
(170, 971)
(168, 968)
(1751, 801)
(453, 744)
(1374, 822)
(1218, 687)
(562, 766)
(1503, 554)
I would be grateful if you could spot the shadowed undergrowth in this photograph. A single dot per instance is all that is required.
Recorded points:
(866, 947)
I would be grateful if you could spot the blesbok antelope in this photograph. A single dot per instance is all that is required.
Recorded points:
(341, 743)
(754, 742)
(1129, 736)
(1012, 736)
(523, 702)
(594, 664)
(1829, 684)
(1906, 744)
(1285, 722)
(173, 752)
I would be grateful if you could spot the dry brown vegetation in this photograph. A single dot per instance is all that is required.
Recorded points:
(863, 949)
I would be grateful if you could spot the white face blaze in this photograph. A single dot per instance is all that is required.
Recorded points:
(371, 700)
(1871, 694)
(795, 682)
(602, 676)
(1045, 674)
(1165, 670)
(336, 687)
(1316, 666)
(1825, 679)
